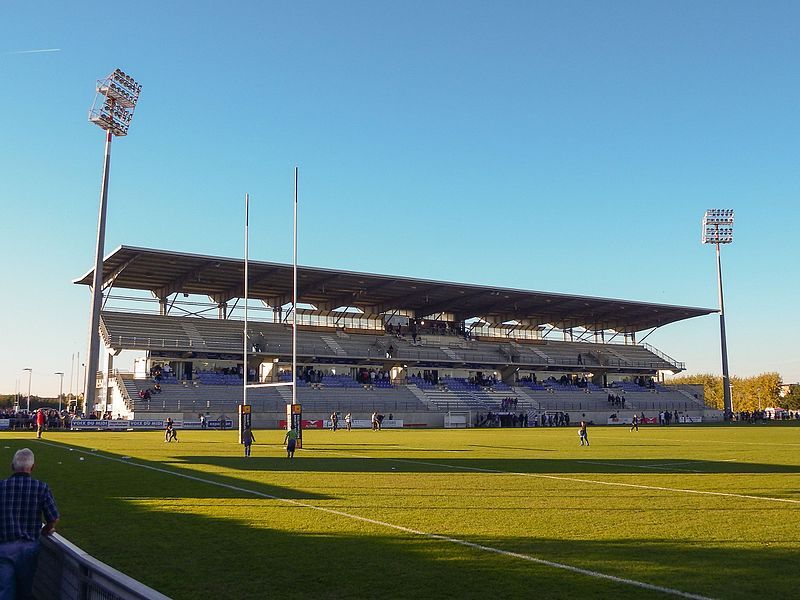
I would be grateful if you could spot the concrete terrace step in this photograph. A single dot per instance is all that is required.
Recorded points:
(193, 334)
(333, 345)
(449, 353)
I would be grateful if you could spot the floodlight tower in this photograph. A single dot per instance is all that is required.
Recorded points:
(30, 376)
(112, 110)
(718, 229)
(60, 389)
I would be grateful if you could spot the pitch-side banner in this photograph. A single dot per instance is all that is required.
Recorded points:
(620, 420)
(688, 419)
(365, 424)
(125, 424)
(357, 424)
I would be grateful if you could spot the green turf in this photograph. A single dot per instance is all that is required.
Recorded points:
(533, 492)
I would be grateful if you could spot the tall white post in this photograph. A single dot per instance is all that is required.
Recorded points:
(60, 389)
(246, 292)
(727, 400)
(30, 376)
(294, 298)
(90, 392)
(71, 373)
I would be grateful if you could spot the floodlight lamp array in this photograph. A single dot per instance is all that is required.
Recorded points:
(717, 226)
(718, 216)
(114, 103)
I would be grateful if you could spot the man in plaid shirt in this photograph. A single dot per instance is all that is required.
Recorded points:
(24, 501)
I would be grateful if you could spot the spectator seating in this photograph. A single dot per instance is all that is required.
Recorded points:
(146, 331)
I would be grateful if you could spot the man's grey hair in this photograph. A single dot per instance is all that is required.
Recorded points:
(23, 460)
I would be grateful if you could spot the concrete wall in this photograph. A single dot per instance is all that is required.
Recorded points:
(427, 420)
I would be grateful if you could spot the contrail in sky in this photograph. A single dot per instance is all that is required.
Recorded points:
(35, 51)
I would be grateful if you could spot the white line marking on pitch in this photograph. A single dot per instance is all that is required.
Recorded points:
(612, 483)
(699, 441)
(578, 479)
(435, 536)
(662, 467)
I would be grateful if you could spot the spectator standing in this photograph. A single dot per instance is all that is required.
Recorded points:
(24, 502)
(40, 421)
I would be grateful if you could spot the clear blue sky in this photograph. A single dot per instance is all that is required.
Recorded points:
(558, 146)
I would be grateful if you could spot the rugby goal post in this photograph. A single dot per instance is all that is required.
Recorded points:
(458, 419)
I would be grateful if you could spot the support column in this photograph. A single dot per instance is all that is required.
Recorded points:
(107, 370)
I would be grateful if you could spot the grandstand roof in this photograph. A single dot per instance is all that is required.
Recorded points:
(164, 273)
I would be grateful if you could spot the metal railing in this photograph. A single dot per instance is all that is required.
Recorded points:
(65, 572)
(669, 359)
(414, 353)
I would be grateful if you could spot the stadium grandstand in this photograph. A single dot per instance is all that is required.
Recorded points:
(415, 349)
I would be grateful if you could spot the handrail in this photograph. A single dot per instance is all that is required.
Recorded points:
(104, 333)
(413, 353)
(65, 572)
(663, 356)
(126, 397)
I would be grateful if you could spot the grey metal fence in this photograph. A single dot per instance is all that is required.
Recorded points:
(65, 572)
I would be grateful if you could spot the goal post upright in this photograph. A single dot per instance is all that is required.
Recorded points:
(293, 410)
(294, 413)
(245, 371)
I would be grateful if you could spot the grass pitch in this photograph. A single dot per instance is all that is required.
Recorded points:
(687, 510)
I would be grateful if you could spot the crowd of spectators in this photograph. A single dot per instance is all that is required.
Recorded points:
(508, 403)
(483, 380)
(372, 376)
(616, 400)
(364, 376)
(745, 416)
(568, 380)
(27, 420)
(666, 417)
(506, 419)
(427, 376)
(502, 419)
(417, 327)
(159, 372)
(551, 419)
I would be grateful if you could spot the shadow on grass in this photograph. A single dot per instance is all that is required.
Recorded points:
(314, 460)
(111, 473)
(217, 545)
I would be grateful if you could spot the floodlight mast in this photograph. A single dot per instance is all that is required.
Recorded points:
(30, 376)
(60, 388)
(112, 110)
(718, 229)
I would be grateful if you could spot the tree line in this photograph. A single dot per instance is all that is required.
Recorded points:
(748, 393)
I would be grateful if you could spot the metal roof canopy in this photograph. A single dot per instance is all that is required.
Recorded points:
(164, 273)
